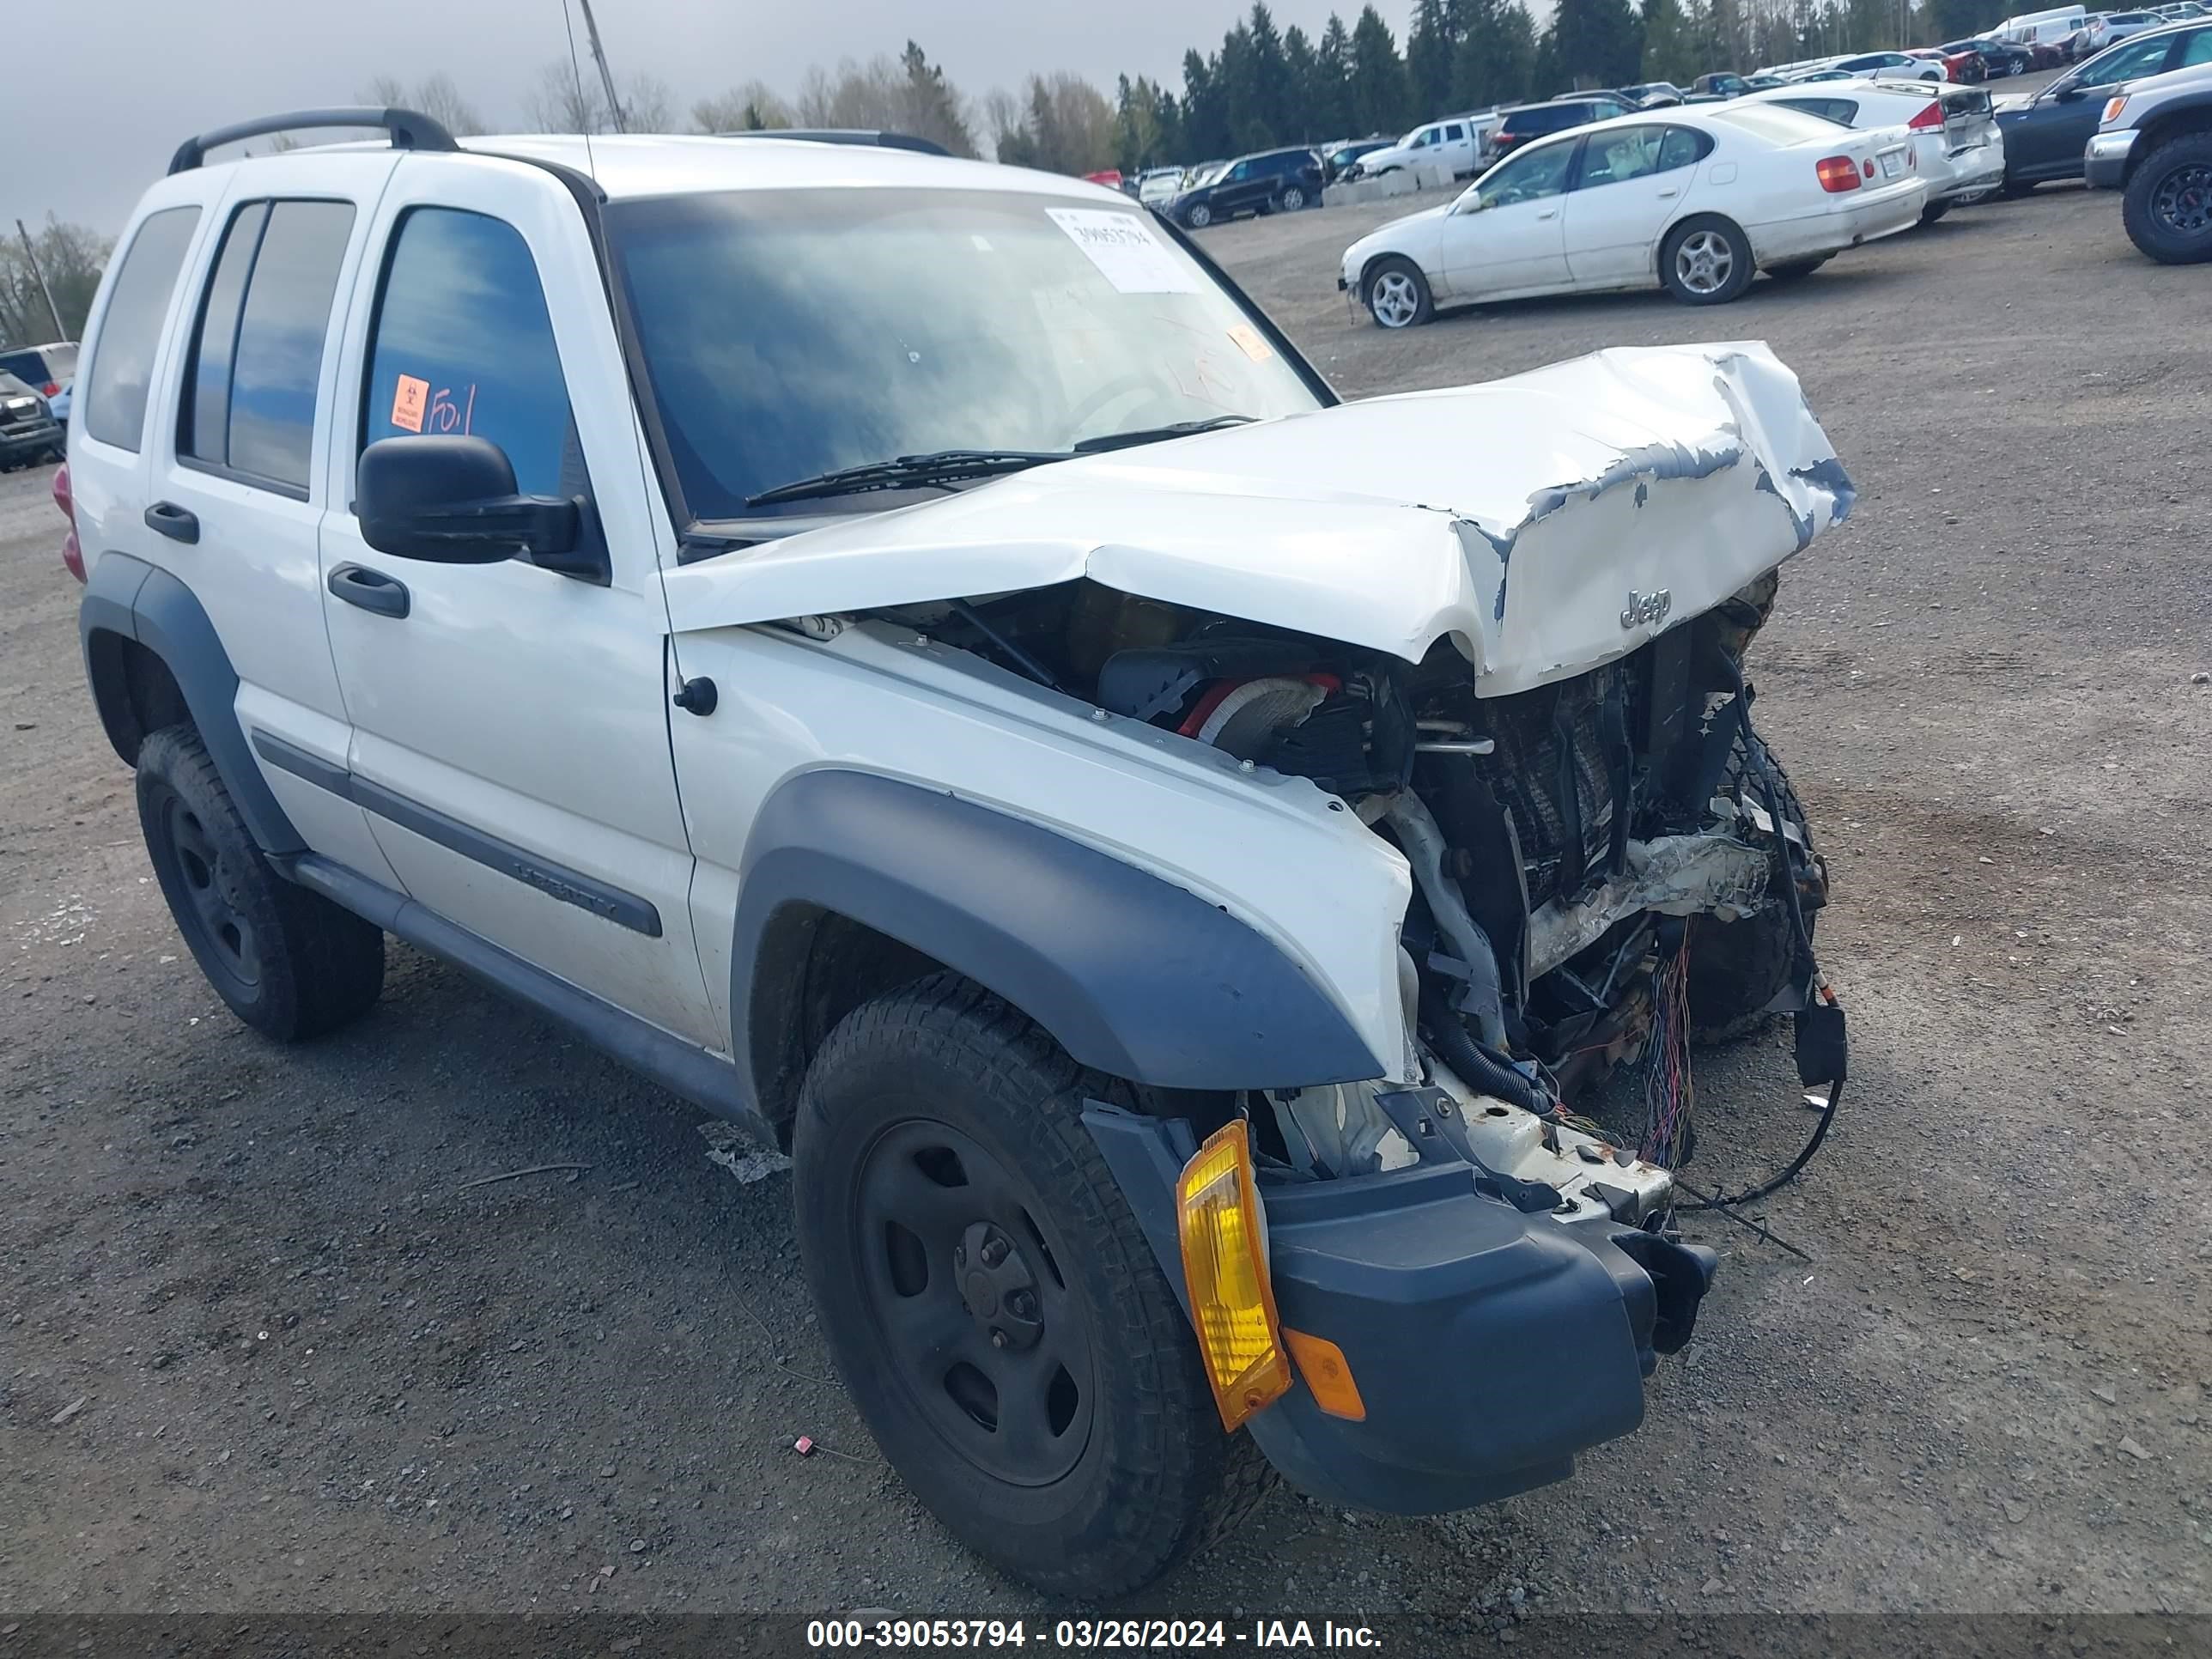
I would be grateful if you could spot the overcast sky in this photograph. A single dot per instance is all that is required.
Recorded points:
(112, 86)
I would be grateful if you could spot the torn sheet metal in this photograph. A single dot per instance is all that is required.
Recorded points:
(1673, 875)
(1546, 523)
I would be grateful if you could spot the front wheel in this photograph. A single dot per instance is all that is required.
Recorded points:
(1398, 294)
(2167, 205)
(1705, 261)
(2013, 189)
(991, 1304)
(1737, 968)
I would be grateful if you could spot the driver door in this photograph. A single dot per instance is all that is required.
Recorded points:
(2048, 136)
(1507, 234)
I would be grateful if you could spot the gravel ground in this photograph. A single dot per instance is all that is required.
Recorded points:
(259, 1350)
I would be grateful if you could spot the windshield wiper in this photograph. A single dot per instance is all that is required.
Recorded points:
(943, 466)
(1153, 435)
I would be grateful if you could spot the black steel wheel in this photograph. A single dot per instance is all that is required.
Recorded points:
(2167, 205)
(288, 962)
(968, 1300)
(991, 1304)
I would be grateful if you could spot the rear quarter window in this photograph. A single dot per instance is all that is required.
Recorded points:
(112, 403)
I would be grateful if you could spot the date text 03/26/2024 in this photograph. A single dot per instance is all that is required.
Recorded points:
(894, 1634)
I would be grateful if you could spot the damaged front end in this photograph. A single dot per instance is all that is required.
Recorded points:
(1511, 647)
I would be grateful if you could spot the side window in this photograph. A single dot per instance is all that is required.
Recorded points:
(2197, 48)
(1530, 176)
(463, 342)
(111, 404)
(1684, 147)
(1620, 154)
(249, 396)
(1454, 133)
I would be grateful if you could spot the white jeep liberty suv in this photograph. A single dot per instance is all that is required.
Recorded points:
(901, 651)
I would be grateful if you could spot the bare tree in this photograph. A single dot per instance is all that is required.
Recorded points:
(1067, 127)
(647, 105)
(907, 95)
(72, 258)
(434, 96)
(563, 101)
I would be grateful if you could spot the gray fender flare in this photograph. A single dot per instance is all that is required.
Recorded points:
(1133, 976)
(127, 599)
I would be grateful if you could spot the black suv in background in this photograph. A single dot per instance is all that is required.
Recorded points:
(1259, 183)
(1542, 120)
(29, 431)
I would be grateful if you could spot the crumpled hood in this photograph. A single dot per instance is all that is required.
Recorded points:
(1545, 523)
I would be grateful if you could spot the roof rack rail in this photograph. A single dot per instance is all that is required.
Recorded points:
(845, 136)
(409, 130)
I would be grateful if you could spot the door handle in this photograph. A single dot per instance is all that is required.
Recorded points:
(372, 590)
(1549, 213)
(178, 524)
(1669, 195)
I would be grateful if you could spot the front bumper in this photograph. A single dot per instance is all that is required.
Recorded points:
(1489, 1346)
(28, 442)
(2104, 161)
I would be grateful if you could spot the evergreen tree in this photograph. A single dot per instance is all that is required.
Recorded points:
(1204, 114)
(1272, 117)
(1670, 53)
(1496, 57)
(1595, 43)
(1333, 81)
(1378, 75)
(1429, 54)
(1305, 120)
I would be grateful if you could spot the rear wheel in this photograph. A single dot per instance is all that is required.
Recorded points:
(1934, 211)
(288, 962)
(2167, 205)
(1198, 216)
(1705, 261)
(1292, 199)
(1397, 293)
(991, 1304)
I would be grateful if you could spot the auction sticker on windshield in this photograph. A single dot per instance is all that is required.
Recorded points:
(1126, 251)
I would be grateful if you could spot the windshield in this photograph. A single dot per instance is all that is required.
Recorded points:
(789, 333)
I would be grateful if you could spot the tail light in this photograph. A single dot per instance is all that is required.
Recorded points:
(51, 389)
(72, 555)
(1837, 173)
(1930, 119)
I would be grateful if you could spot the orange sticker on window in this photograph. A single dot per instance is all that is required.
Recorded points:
(408, 401)
(1251, 341)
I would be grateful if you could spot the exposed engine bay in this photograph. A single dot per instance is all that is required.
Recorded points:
(1604, 867)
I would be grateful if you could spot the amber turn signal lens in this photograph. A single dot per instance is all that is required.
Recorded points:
(1328, 1374)
(1224, 1269)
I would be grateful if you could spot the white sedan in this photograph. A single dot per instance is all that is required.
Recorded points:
(1955, 138)
(1694, 200)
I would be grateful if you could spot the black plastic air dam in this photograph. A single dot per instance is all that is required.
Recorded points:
(1489, 1347)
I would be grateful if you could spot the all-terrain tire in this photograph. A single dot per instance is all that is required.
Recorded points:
(288, 962)
(2167, 205)
(941, 1079)
(1737, 968)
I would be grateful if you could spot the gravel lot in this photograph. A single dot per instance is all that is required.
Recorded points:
(258, 1351)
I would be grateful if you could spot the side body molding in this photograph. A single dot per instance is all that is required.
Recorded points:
(127, 599)
(1131, 975)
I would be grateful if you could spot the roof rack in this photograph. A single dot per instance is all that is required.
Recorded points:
(409, 130)
(845, 136)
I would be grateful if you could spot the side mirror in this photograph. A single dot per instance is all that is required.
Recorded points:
(2070, 93)
(452, 500)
